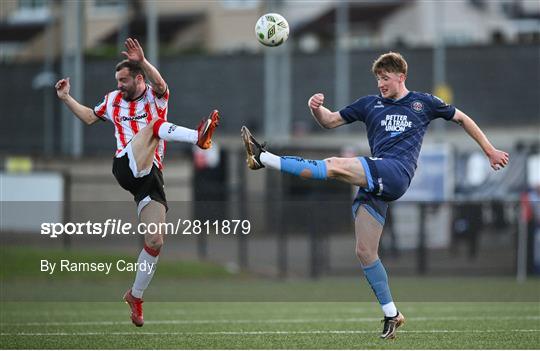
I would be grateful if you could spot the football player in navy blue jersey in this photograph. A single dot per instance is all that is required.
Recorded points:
(396, 122)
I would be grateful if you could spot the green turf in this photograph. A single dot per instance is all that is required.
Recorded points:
(290, 325)
(249, 289)
(183, 310)
(200, 281)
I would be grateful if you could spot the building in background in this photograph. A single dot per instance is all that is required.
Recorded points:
(226, 26)
(209, 26)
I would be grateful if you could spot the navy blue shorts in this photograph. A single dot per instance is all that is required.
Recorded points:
(387, 181)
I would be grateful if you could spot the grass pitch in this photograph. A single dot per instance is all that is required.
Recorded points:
(192, 305)
(270, 325)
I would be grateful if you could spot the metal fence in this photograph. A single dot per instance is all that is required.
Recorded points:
(487, 82)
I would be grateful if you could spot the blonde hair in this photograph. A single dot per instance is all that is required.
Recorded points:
(391, 62)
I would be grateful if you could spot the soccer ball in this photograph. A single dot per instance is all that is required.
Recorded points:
(272, 29)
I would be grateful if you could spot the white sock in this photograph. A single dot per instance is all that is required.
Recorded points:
(270, 160)
(172, 132)
(143, 278)
(389, 309)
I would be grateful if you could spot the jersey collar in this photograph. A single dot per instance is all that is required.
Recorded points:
(398, 100)
(138, 97)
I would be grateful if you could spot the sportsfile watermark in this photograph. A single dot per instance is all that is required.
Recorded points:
(121, 227)
(65, 265)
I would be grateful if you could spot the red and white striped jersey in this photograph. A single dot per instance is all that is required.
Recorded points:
(129, 117)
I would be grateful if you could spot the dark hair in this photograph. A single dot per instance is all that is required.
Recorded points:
(133, 67)
(391, 62)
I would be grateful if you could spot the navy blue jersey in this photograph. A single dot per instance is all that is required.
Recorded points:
(396, 128)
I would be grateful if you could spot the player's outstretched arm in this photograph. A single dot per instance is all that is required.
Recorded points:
(85, 114)
(134, 52)
(497, 159)
(326, 118)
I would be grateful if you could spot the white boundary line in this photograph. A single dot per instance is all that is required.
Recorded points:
(277, 332)
(272, 321)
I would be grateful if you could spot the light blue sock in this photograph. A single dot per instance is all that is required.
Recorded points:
(378, 279)
(313, 169)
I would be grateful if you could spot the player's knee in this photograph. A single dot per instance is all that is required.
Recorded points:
(154, 242)
(364, 253)
(151, 129)
(334, 167)
(152, 122)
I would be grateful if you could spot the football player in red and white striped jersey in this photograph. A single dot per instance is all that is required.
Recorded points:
(139, 113)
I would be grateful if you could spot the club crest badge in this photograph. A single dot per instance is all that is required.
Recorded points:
(417, 106)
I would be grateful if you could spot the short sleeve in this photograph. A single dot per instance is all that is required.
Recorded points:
(161, 100)
(101, 109)
(355, 111)
(441, 109)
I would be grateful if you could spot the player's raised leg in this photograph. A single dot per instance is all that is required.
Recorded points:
(153, 212)
(348, 170)
(368, 232)
(143, 147)
(146, 140)
(202, 137)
